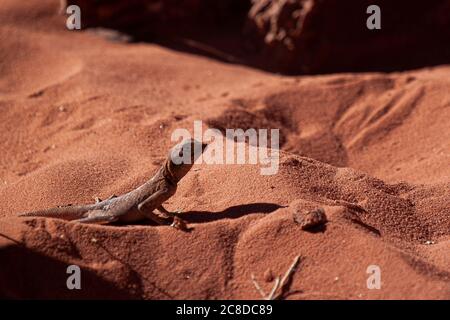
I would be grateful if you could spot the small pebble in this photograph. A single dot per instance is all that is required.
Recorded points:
(310, 219)
(268, 275)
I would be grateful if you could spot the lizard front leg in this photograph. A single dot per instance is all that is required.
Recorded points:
(154, 201)
(165, 213)
(147, 206)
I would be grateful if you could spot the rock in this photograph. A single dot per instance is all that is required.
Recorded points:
(268, 275)
(308, 219)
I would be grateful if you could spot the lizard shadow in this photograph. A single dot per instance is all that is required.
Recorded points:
(317, 229)
(232, 212)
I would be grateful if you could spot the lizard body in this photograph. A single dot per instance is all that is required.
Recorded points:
(138, 204)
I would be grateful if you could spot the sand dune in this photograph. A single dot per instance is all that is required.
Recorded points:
(84, 117)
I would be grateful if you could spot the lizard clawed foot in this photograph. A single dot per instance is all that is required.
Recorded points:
(177, 223)
(174, 221)
(180, 224)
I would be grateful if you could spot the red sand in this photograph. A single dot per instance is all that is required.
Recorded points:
(83, 117)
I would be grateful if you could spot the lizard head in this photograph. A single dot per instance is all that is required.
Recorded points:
(182, 157)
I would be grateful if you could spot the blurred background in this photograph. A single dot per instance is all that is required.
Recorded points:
(286, 36)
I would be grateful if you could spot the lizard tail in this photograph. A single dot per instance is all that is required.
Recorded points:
(65, 213)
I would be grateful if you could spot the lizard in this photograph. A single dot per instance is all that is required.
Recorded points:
(140, 203)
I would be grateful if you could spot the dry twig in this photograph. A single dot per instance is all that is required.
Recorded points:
(279, 285)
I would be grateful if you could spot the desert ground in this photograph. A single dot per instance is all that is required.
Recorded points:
(84, 116)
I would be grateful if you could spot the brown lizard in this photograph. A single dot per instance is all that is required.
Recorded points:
(139, 203)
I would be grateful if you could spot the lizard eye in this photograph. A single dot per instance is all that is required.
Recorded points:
(184, 153)
(177, 156)
(180, 155)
